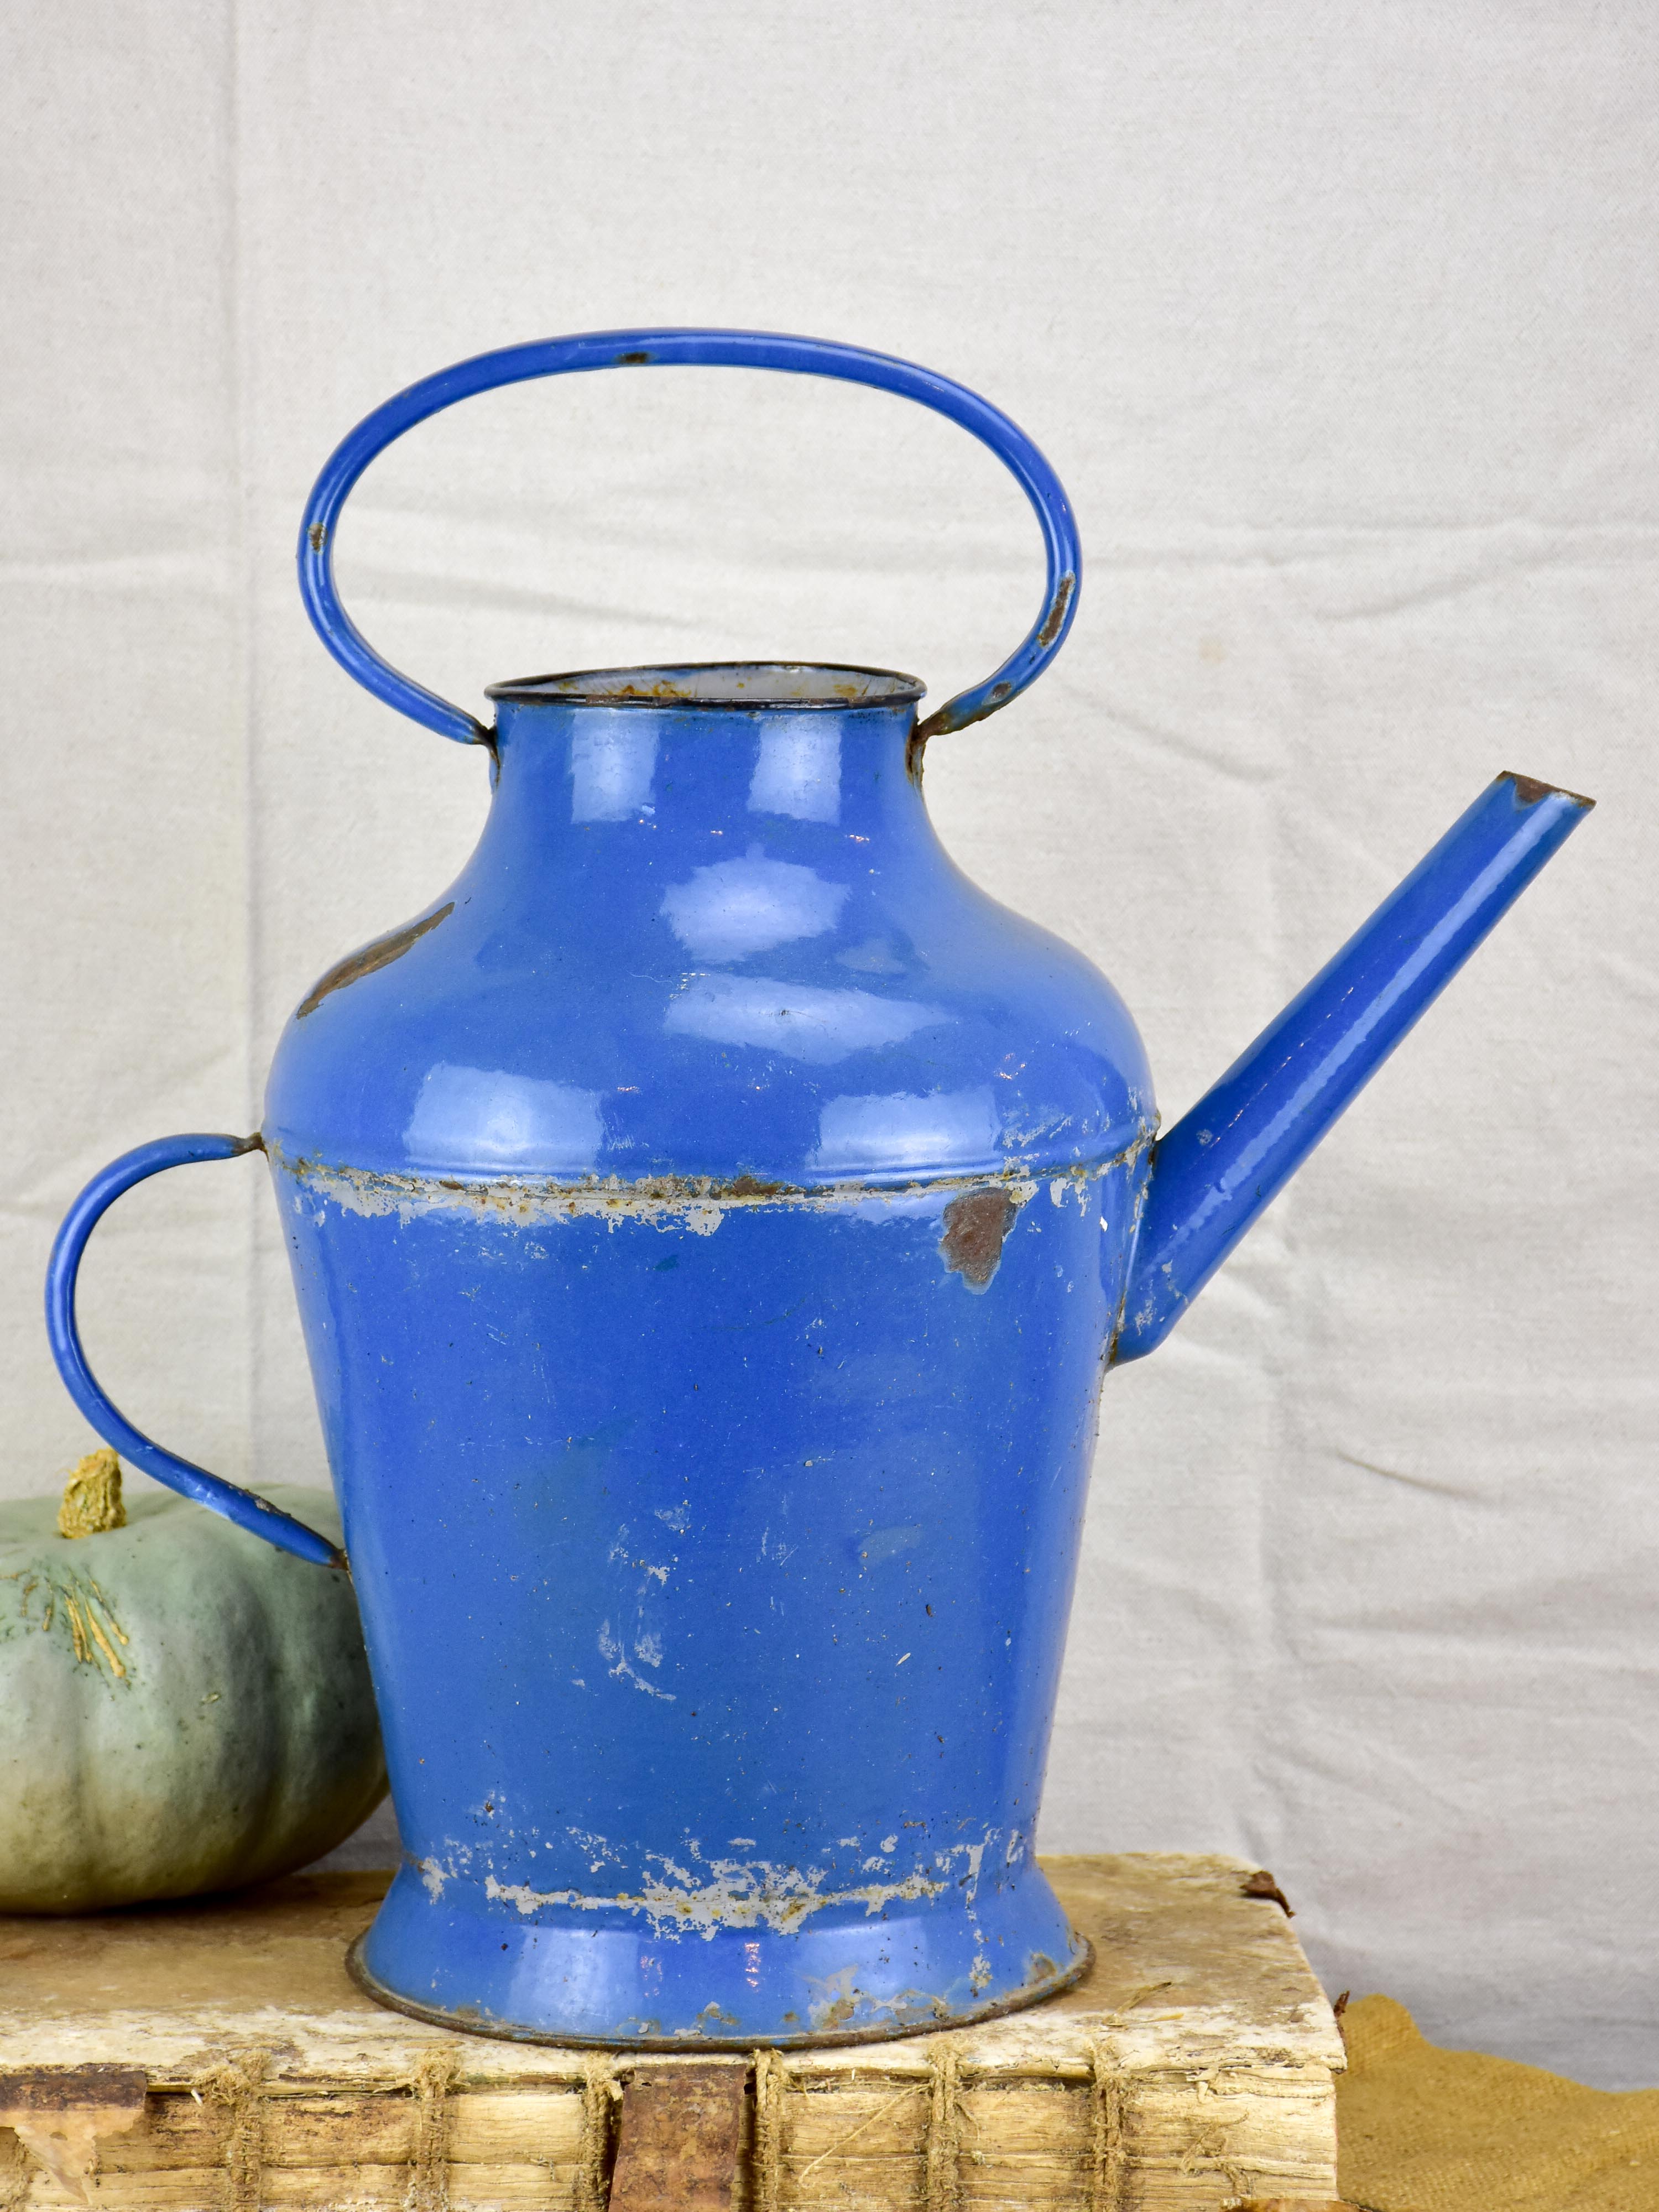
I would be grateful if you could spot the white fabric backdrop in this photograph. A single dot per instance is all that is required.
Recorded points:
(1340, 324)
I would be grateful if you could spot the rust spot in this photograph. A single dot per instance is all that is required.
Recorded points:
(974, 1226)
(679, 2139)
(748, 1185)
(1051, 629)
(915, 745)
(956, 716)
(318, 535)
(1528, 790)
(1262, 1884)
(379, 954)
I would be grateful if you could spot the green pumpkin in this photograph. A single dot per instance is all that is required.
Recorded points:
(183, 1707)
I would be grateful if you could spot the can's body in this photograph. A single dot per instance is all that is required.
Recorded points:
(708, 1226)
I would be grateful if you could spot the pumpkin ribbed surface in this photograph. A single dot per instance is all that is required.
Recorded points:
(182, 1707)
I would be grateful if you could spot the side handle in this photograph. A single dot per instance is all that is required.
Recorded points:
(241, 1506)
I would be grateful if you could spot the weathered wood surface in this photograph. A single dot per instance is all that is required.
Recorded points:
(1192, 2068)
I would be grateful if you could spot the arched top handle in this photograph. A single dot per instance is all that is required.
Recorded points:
(678, 348)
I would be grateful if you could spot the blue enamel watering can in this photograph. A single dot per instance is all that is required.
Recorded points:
(712, 1219)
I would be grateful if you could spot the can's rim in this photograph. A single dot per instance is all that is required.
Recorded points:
(791, 687)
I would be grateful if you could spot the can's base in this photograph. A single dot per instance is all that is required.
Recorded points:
(871, 1981)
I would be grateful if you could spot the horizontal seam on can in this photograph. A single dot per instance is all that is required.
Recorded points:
(521, 1198)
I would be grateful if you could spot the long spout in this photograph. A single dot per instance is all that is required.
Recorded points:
(1223, 1162)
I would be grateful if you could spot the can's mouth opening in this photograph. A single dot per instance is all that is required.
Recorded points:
(797, 686)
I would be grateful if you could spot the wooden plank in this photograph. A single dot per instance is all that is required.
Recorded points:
(1026, 2143)
(1192, 2065)
(1185, 1960)
(524, 2188)
(485, 2128)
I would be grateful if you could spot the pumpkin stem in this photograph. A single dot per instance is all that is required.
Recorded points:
(92, 1496)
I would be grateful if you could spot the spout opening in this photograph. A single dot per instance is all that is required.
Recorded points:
(1530, 789)
(786, 686)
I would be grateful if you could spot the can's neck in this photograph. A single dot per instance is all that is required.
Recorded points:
(657, 788)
